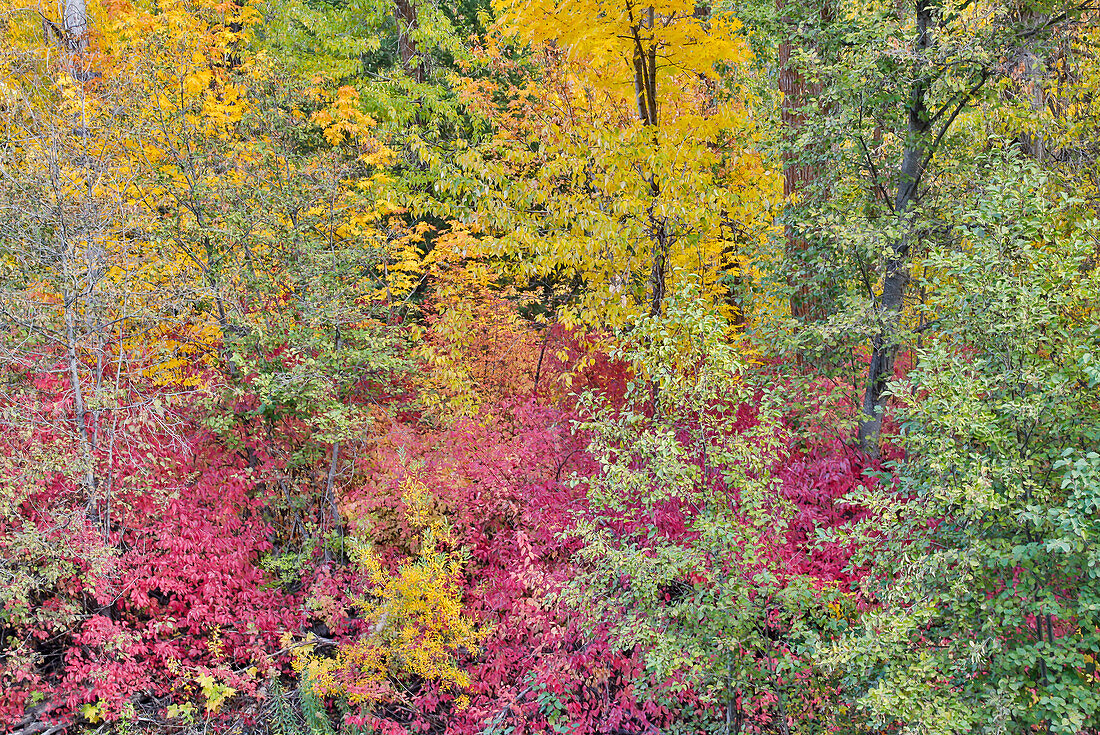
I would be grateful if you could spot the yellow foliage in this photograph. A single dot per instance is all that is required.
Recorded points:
(343, 120)
(204, 215)
(213, 691)
(604, 36)
(417, 624)
(154, 83)
(477, 349)
(583, 185)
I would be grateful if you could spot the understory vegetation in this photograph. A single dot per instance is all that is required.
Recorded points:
(618, 367)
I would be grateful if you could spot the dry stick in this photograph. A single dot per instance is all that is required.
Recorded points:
(542, 353)
(330, 495)
(39, 728)
(330, 498)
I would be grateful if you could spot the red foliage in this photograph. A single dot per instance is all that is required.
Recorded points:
(175, 590)
(815, 483)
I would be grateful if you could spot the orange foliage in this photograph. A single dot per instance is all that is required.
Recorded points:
(478, 350)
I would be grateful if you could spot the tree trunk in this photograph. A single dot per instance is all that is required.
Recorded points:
(1028, 85)
(645, 92)
(645, 68)
(404, 12)
(658, 269)
(884, 341)
(797, 91)
(74, 23)
(80, 411)
(331, 511)
(81, 268)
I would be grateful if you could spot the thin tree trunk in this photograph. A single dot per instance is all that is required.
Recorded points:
(80, 411)
(332, 509)
(80, 280)
(645, 68)
(542, 354)
(658, 273)
(884, 341)
(781, 705)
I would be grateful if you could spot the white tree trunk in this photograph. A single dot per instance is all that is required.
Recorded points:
(74, 22)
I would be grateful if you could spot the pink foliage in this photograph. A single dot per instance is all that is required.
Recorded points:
(175, 590)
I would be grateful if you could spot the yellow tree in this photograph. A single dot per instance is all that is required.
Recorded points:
(629, 161)
(264, 204)
(165, 210)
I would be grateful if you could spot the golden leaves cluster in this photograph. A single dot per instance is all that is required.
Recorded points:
(417, 626)
(578, 185)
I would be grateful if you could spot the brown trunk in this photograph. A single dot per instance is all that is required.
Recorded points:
(884, 342)
(645, 67)
(797, 91)
(1029, 86)
(404, 12)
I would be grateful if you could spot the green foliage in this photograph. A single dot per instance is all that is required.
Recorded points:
(990, 618)
(400, 66)
(353, 39)
(680, 549)
(280, 714)
(900, 102)
(317, 720)
(201, 199)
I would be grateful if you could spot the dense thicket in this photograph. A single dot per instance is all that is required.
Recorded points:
(601, 366)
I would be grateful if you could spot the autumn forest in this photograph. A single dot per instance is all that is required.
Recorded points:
(507, 367)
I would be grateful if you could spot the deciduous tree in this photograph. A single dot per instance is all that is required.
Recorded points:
(628, 163)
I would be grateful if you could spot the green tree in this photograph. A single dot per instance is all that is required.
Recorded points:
(681, 536)
(905, 90)
(401, 57)
(988, 616)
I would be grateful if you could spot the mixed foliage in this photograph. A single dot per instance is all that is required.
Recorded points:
(398, 366)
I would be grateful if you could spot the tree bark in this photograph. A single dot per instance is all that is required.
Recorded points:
(332, 509)
(645, 67)
(884, 341)
(80, 411)
(404, 12)
(659, 268)
(645, 92)
(74, 23)
(797, 91)
(1027, 76)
